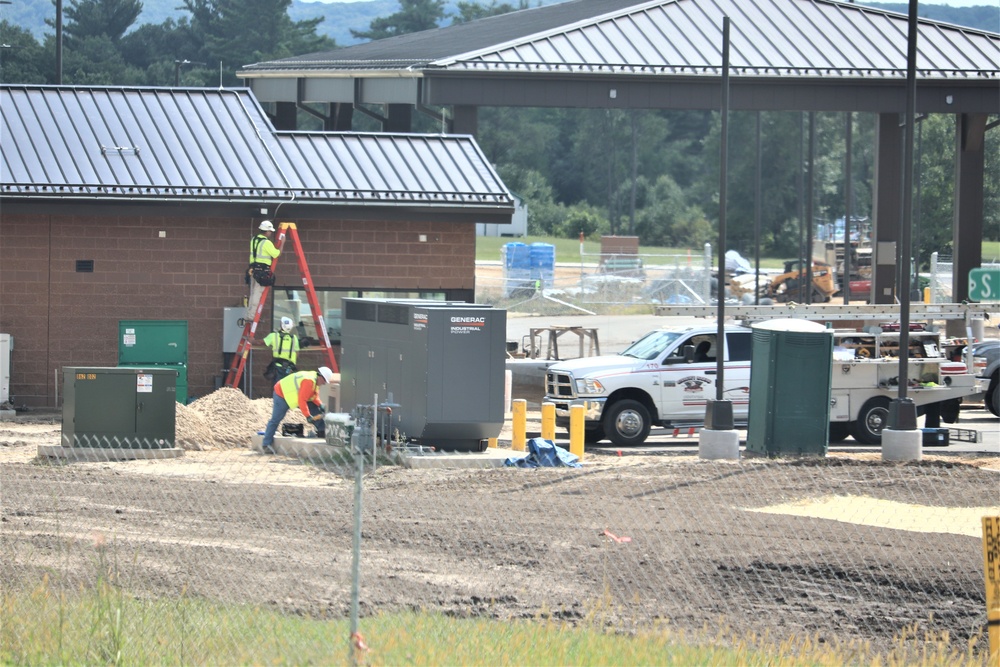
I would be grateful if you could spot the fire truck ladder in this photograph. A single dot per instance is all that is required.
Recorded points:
(285, 230)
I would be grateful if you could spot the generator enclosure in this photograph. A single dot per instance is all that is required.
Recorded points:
(122, 408)
(441, 363)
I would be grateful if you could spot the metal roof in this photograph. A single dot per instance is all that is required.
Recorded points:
(389, 168)
(160, 144)
(798, 38)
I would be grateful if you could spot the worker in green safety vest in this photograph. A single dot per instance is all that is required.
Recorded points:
(298, 390)
(259, 275)
(284, 351)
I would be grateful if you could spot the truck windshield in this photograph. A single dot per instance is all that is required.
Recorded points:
(652, 345)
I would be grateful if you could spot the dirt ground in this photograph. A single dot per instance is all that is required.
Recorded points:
(845, 548)
(695, 545)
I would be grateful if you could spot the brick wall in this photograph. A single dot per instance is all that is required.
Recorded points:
(59, 317)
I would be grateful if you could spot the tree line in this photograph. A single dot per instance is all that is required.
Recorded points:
(650, 173)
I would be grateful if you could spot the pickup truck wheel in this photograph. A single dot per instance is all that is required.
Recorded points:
(874, 417)
(993, 401)
(950, 410)
(839, 431)
(627, 423)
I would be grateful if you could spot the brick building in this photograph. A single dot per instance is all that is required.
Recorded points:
(139, 204)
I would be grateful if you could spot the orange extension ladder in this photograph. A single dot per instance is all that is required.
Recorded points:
(285, 230)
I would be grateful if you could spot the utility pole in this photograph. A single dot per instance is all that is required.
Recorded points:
(59, 41)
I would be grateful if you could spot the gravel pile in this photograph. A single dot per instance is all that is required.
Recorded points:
(224, 419)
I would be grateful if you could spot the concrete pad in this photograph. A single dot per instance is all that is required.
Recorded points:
(493, 457)
(7, 414)
(107, 453)
(307, 449)
(410, 457)
(719, 444)
(902, 445)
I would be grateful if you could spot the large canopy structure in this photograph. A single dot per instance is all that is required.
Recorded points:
(786, 55)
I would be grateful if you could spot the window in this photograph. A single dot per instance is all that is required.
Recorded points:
(704, 349)
(740, 345)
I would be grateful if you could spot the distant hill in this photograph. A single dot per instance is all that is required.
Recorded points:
(341, 17)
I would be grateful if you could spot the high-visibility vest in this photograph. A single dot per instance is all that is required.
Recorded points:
(290, 388)
(283, 345)
(262, 250)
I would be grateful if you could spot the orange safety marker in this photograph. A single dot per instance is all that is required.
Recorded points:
(614, 537)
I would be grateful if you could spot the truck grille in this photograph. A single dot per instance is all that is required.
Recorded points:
(559, 385)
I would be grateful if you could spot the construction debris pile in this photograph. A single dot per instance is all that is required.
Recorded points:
(224, 419)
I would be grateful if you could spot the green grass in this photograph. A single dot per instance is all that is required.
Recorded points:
(103, 625)
(991, 251)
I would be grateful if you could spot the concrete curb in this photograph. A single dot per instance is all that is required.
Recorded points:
(106, 453)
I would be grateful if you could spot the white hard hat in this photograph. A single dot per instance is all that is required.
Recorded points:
(286, 324)
(326, 373)
(266, 226)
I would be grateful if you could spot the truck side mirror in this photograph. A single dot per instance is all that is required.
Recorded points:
(689, 351)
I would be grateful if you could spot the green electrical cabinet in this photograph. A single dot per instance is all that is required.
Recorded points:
(154, 343)
(123, 408)
(791, 365)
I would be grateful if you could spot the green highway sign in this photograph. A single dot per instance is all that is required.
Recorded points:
(984, 284)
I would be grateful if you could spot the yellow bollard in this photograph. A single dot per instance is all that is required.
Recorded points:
(549, 421)
(492, 444)
(576, 419)
(519, 416)
(991, 561)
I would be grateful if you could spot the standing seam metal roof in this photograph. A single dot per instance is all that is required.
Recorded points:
(768, 38)
(207, 144)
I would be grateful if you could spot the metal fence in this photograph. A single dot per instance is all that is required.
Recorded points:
(942, 277)
(222, 555)
(602, 281)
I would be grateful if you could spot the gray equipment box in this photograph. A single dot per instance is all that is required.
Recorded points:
(441, 362)
(122, 408)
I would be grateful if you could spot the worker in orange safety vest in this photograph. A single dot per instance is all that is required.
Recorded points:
(298, 390)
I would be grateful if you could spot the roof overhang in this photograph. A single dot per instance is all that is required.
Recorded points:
(229, 208)
(747, 93)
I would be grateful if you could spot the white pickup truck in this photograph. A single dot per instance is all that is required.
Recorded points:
(666, 377)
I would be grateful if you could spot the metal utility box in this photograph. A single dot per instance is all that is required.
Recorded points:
(790, 374)
(6, 347)
(153, 343)
(441, 362)
(124, 408)
(232, 328)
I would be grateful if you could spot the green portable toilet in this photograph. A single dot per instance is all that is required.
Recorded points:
(790, 374)
(156, 343)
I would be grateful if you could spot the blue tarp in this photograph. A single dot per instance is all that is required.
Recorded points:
(544, 453)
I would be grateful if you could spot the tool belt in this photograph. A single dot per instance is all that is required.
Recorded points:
(261, 273)
(279, 369)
